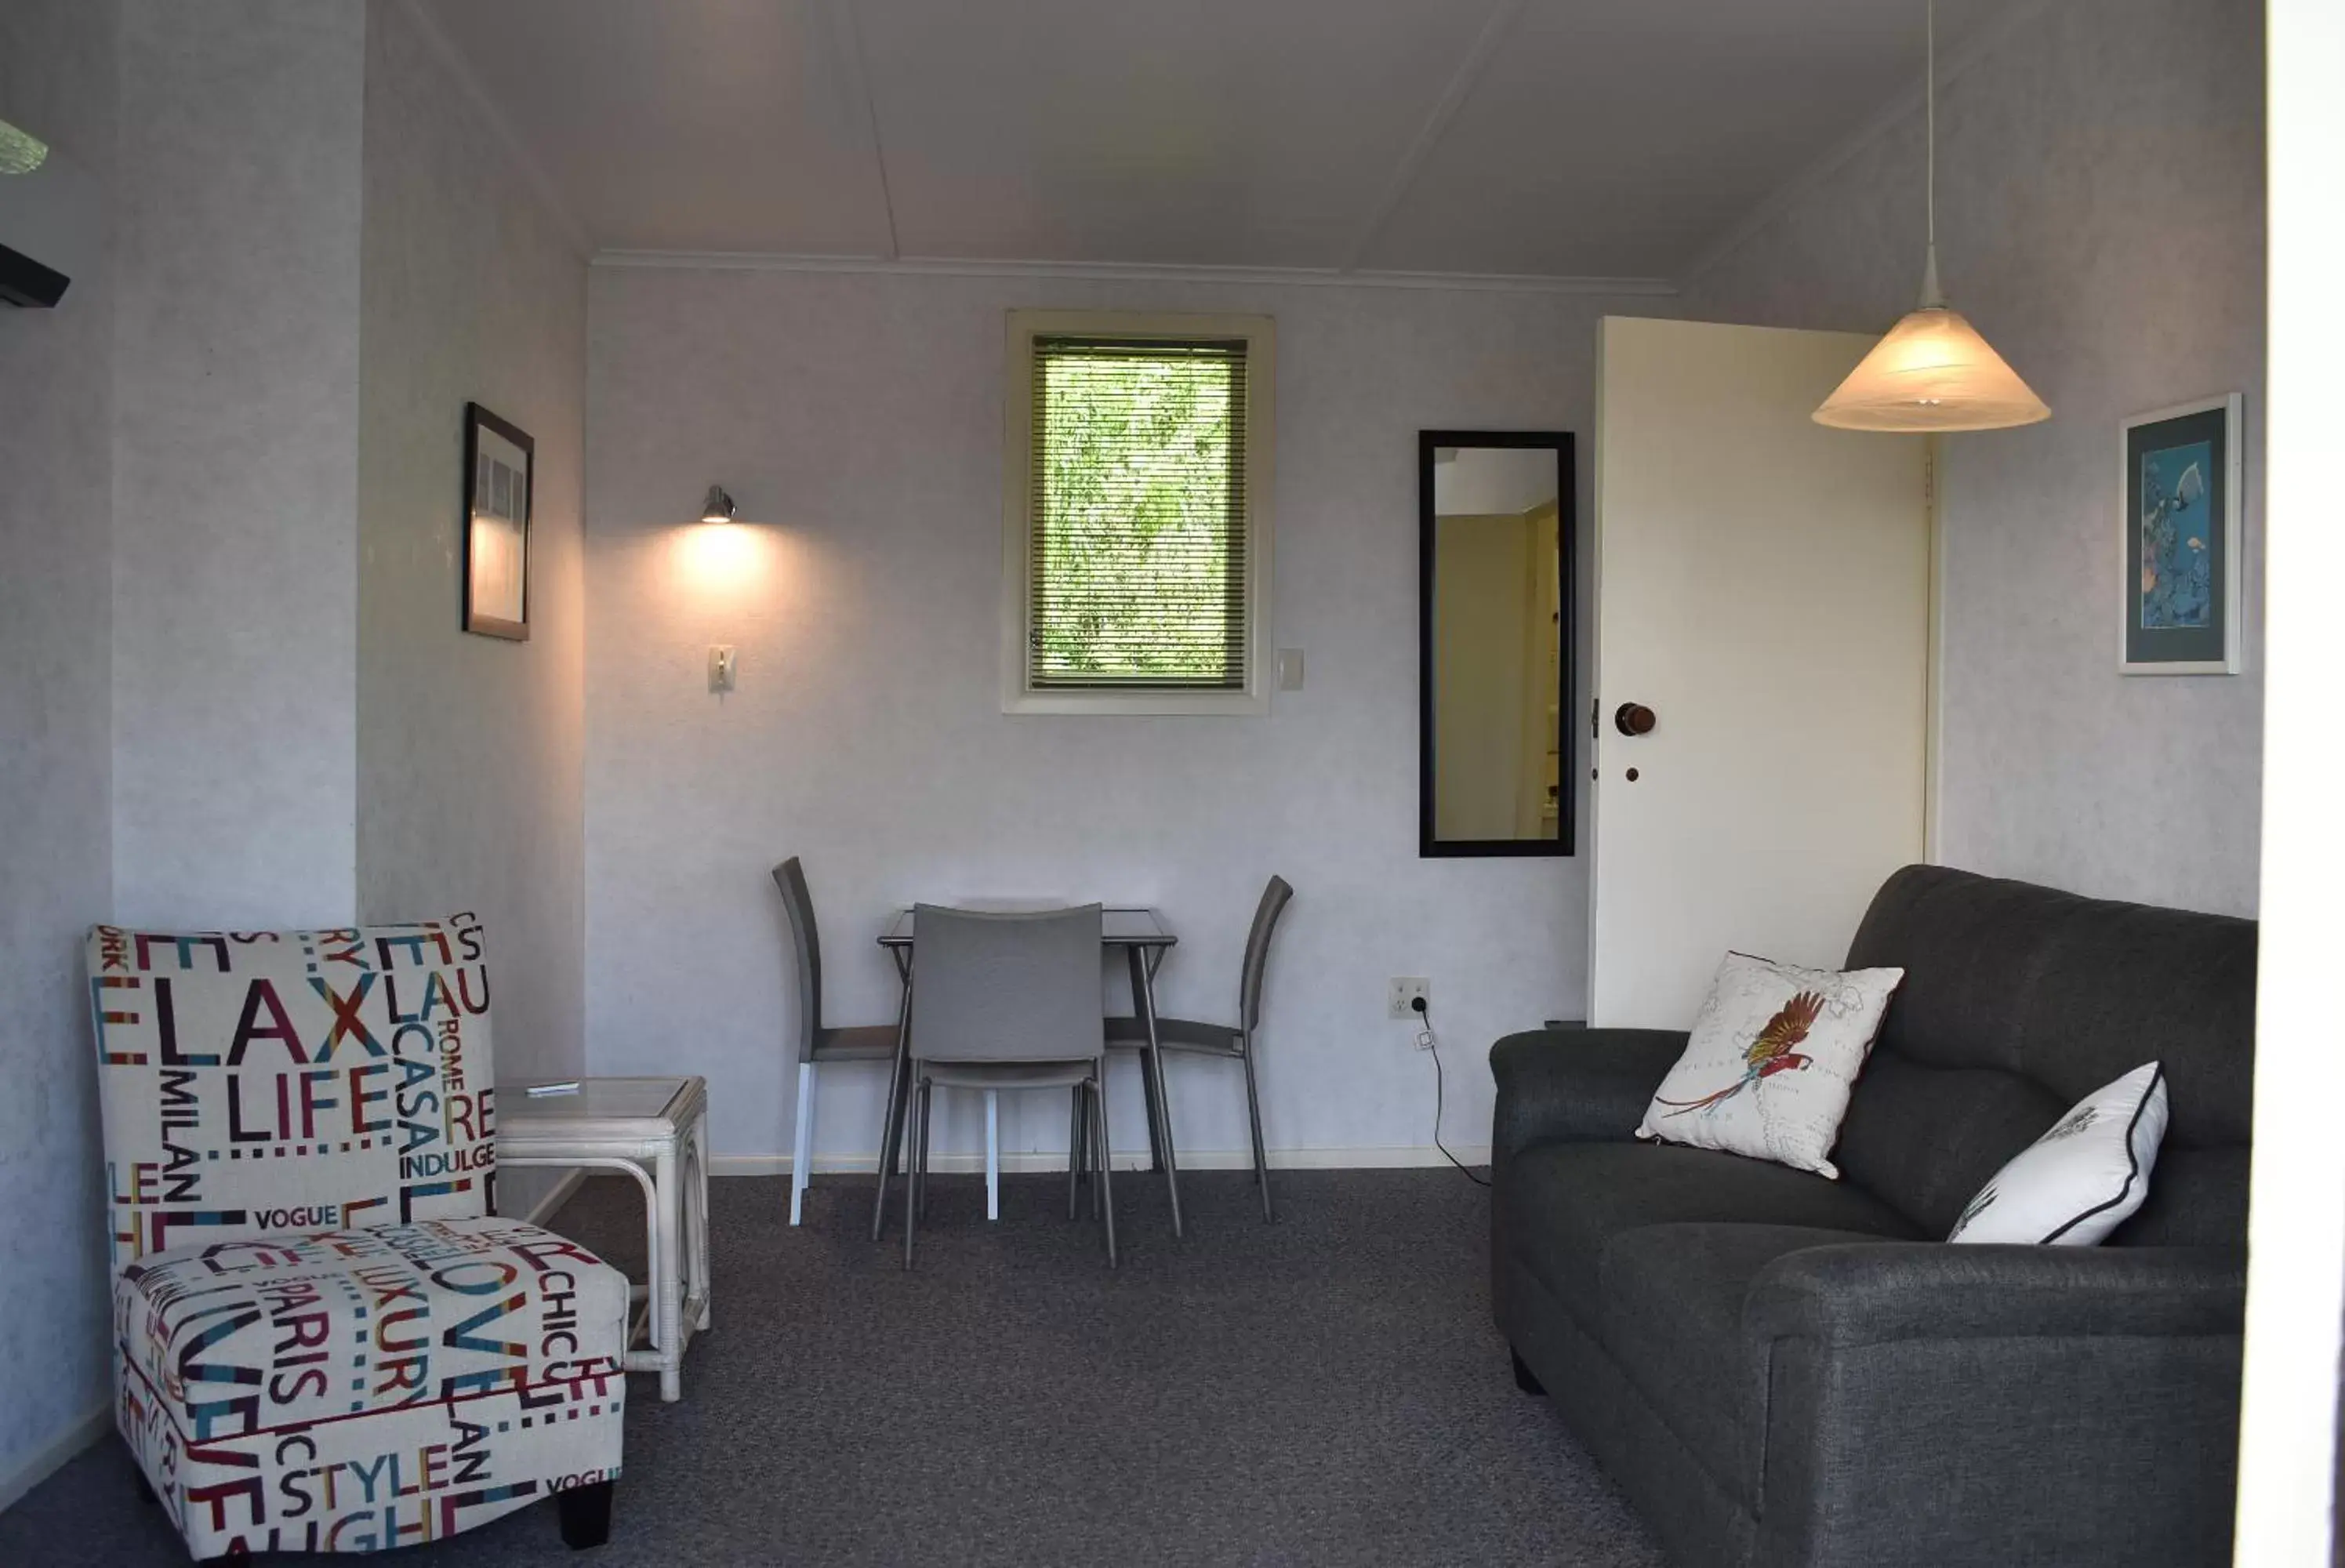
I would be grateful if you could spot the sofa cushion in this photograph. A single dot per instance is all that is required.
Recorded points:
(1672, 1305)
(265, 1333)
(2018, 1001)
(352, 1390)
(2069, 991)
(1563, 1201)
(1923, 1138)
(2199, 1199)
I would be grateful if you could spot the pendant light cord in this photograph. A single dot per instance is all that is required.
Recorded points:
(1933, 297)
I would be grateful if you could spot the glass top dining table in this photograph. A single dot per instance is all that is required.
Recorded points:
(1131, 927)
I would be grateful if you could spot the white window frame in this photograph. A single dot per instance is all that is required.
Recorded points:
(1262, 356)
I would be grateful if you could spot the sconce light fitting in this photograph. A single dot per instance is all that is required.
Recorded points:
(718, 508)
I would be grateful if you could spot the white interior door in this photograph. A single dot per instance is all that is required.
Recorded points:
(1762, 584)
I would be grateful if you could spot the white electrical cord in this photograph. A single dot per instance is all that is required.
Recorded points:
(1426, 1038)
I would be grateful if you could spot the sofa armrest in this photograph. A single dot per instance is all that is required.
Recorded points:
(1977, 1406)
(1575, 1086)
(1871, 1294)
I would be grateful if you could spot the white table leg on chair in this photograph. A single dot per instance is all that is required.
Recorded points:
(655, 1242)
(802, 1144)
(992, 1155)
(666, 1155)
(696, 1197)
(667, 1273)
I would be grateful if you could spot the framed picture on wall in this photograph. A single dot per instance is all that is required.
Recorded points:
(499, 456)
(2179, 541)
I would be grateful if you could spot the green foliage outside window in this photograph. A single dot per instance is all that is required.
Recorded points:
(1138, 516)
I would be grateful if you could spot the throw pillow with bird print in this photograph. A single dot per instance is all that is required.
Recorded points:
(1767, 1067)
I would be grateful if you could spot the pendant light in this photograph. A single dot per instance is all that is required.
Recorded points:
(1933, 371)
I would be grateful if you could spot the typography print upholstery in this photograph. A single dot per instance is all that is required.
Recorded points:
(323, 1340)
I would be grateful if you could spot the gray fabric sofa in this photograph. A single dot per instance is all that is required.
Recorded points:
(1783, 1369)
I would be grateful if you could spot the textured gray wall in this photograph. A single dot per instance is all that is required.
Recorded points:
(2101, 219)
(470, 749)
(235, 462)
(57, 79)
(186, 655)
(857, 419)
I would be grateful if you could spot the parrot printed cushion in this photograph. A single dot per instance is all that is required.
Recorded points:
(1769, 1066)
(2083, 1179)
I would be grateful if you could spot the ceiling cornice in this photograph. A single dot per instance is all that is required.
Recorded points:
(1132, 272)
(1905, 105)
(533, 174)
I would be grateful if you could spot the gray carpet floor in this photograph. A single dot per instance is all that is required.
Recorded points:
(1328, 1389)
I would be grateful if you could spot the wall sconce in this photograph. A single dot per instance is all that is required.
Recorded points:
(718, 506)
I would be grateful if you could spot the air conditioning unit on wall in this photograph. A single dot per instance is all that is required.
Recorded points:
(48, 221)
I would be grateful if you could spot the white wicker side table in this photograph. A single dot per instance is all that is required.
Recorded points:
(654, 1130)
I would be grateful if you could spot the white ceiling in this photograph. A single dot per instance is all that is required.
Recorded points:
(1613, 138)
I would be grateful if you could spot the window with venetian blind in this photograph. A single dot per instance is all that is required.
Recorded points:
(1136, 537)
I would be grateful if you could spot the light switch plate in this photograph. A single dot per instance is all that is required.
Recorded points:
(722, 668)
(1290, 669)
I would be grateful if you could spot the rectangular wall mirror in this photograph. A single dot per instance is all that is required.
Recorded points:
(1494, 640)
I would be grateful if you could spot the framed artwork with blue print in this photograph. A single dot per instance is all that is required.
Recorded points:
(2178, 541)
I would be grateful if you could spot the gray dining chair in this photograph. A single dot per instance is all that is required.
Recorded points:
(818, 1042)
(1233, 1042)
(1000, 1002)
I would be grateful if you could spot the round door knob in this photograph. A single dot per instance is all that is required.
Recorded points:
(1634, 719)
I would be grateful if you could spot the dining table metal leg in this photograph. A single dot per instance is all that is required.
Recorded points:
(1074, 1148)
(1148, 1098)
(1143, 989)
(1104, 1188)
(891, 1128)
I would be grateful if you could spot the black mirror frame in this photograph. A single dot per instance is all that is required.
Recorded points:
(1564, 844)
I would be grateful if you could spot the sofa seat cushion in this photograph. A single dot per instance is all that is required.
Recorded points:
(1563, 1201)
(283, 1329)
(1672, 1303)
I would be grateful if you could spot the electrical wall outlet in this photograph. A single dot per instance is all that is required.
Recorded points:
(1405, 989)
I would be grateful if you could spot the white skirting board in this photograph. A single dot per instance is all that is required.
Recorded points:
(43, 1462)
(1379, 1158)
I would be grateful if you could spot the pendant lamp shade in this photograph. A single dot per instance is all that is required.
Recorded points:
(1932, 372)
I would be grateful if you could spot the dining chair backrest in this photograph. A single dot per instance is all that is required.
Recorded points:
(989, 987)
(1257, 949)
(791, 879)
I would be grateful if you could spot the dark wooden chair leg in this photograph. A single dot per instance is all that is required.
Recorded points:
(585, 1515)
(1524, 1379)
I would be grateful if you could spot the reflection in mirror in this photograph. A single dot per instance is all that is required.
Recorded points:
(1495, 614)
